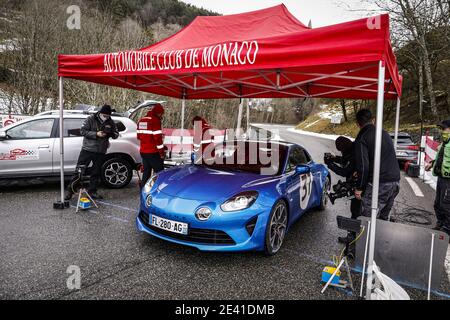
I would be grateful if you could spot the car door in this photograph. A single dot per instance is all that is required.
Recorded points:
(27, 149)
(73, 141)
(299, 186)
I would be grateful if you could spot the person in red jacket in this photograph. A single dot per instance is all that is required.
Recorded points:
(149, 133)
(202, 136)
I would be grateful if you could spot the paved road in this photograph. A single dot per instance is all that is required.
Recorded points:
(38, 244)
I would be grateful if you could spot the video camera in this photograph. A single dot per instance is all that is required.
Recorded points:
(108, 129)
(327, 156)
(342, 189)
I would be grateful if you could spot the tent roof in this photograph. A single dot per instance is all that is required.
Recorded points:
(259, 54)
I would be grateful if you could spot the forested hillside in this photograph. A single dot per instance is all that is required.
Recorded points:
(34, 32)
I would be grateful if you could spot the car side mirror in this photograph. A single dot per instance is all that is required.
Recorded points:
(3, 135)
(302, 169)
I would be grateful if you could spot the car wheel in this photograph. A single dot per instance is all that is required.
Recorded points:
(276, 228)
(324, 200)
(116, 173)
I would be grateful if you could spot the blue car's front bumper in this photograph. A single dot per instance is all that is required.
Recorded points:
(224, 231)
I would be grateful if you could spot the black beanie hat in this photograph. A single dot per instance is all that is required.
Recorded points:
(106, 109)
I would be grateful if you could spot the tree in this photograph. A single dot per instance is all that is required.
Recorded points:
(344, 111)
(415, 20)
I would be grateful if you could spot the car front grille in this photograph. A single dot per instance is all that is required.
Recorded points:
(204, 236)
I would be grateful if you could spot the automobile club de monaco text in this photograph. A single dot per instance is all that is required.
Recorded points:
(225, 54)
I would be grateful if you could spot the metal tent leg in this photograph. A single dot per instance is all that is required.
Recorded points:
(183, 107)
(364, 263)
(239, 120)
(431, 266)
(376, 176)
(397, 121)
(61, 204)
(248, 115)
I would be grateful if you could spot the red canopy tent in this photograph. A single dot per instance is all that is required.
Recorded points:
(264, 53)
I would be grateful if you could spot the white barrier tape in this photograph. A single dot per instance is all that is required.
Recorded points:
(189, 139)
(149, 132)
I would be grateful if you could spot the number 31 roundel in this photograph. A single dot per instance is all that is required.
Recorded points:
(305, 189)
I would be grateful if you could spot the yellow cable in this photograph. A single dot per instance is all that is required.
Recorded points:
(336, 261)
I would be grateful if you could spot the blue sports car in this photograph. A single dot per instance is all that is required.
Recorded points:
(244, 197)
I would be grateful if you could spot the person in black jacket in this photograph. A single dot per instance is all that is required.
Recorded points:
(364, 149)
(96, 130)
(344, 166)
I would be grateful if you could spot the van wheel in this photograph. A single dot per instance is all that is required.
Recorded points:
(116, 173)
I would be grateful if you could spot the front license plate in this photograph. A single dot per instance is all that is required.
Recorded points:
(169, 225)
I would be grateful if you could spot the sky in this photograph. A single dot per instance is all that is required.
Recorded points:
(321, 12)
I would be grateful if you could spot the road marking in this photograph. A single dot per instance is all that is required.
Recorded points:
(106, 215)
(447, 263)
(415, 187)
(117, 206)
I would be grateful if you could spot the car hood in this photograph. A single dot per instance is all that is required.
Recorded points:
(204, 184)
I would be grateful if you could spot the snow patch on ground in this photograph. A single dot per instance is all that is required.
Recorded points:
(8, 45)
(314, 134)
(312, 123)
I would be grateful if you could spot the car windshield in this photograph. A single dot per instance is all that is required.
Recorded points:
(261, 157)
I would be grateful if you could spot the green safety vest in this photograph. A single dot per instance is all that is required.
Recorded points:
(445, 170)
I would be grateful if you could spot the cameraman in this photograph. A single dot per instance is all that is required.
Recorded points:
(96, 130)
(344, 166)
(389, 186)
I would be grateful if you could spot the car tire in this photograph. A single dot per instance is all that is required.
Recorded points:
(116, 173)
(278, 219)
(324, 199)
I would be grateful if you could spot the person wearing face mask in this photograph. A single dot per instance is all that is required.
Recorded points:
(441, 169)
(96, 130)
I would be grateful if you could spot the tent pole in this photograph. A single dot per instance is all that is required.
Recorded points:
(183, 107)
(61, 139)
(376, 177)
(248, 115)
(239, 121)
(397, 120)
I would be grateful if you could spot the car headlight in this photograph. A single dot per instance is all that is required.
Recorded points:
(240, 201)
(149, 185)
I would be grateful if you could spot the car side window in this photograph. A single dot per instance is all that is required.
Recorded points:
(297, 156)
(37, 129)
(120, 126)
(72, 127)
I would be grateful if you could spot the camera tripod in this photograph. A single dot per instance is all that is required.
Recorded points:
(80, 193)
(342, 283)
(81, 182)
(350, 225)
